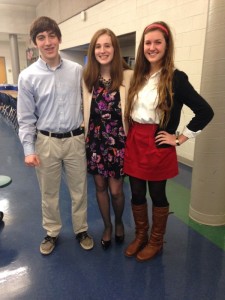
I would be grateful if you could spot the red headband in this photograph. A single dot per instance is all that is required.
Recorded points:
(155, 25)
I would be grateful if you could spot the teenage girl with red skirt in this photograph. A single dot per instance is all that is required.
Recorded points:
(157, 94)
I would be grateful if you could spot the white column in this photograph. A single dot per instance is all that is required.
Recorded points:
(207, 205)
(14, 57)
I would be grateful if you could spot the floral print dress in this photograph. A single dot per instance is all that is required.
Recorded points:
(105, 141)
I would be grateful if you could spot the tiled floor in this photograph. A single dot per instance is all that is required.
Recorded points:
(192, 267)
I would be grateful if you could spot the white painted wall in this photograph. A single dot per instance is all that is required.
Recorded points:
(16, 18)
(5, 52)
(187, 19)
(111, 14)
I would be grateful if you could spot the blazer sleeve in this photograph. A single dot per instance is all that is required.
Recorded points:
(87, 96)
(186, 94)
(127, 75)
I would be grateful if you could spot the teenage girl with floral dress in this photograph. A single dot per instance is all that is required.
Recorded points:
(106, 81)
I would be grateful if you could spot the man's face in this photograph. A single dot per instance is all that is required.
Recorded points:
(48, 44)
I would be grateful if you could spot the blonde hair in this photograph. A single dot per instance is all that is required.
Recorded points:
(92, 69)
(143, 67)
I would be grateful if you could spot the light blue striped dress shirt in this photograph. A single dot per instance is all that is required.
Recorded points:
(48, 100)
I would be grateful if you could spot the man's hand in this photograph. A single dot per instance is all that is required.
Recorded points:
(32, 160)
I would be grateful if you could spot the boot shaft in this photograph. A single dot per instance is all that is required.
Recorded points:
(140, 214)
(155, 243)
(159, 219)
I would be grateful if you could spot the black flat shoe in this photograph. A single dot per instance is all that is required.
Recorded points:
(105, 244)
(119, 238)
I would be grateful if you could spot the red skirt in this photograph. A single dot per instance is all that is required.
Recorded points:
(143, 159)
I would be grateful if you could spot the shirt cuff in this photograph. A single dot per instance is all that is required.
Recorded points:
(190, 134)
(29, 150)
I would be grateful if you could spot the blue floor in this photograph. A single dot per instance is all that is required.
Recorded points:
(191, 267)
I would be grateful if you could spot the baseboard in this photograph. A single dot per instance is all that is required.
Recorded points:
(185, 161)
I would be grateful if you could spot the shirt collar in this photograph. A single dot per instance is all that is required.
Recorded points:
(43, 64)
(157, 73)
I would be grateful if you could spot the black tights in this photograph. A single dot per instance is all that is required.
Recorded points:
(157, 191)
(107, 189)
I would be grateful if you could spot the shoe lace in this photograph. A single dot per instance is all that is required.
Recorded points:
(50, 239)
(82, 236)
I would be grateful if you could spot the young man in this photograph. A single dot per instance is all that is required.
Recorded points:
(50, 118)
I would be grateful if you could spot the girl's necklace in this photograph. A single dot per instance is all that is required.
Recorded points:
(106, 83)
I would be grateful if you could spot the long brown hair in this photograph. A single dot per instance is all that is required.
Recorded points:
(92, 69)
(143, 67)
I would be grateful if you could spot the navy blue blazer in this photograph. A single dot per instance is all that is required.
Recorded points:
(184, 93)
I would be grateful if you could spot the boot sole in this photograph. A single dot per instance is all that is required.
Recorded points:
(152, 257)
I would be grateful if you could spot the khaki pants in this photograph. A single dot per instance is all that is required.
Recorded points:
(56, 154)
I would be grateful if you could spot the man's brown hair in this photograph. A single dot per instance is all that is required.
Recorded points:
(42, 24)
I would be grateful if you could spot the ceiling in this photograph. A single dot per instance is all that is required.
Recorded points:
(21, 2)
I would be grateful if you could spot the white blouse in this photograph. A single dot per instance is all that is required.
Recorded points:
(145, 103)
(144, 110)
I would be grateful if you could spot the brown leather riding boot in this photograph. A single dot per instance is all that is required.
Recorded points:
(155, 243)
(140, 214)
